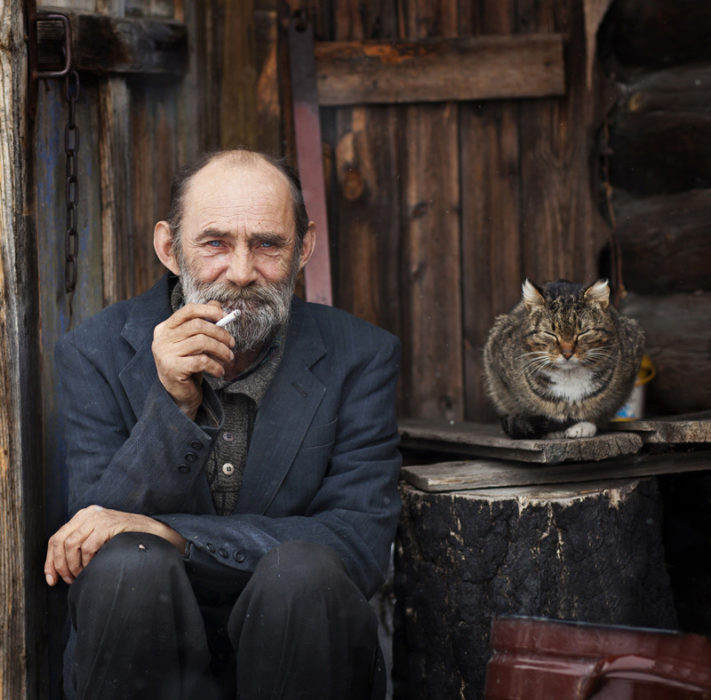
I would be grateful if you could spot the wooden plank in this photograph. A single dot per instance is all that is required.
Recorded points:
(496, 67)
(677, 430)
(22, 591)
(490, 474)
(674, 228)
(563, 231)
(491, 236)
(678, 337)
(104, 44)
(268, 101)
(238, 74)
(153, 123)
(365, 205)
(431, 237)
(115, 154)
(488, 440)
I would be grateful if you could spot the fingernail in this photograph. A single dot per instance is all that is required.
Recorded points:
(50, 579)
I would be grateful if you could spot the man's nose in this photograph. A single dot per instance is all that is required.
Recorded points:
(241, 271)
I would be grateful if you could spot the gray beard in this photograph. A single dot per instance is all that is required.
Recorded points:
(263, 308)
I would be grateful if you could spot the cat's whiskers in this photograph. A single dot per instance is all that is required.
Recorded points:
(538, 361)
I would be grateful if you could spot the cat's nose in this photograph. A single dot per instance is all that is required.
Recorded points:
(566, 350)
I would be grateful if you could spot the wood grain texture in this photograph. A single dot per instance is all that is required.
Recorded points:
(108, 44)
(660, 133)
(685, 429)
(561, 552)
(487, 474)
(562, 231)
(488, 440)
(491, 235)
(23, 640)
(665, 241)
(422, 71)
(431, 203)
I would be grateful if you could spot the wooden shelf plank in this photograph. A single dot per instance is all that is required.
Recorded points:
(488, 440)
(676, 430)
(486, 474)
(435, 70)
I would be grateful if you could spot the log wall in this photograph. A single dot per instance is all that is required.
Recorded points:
(658, 144)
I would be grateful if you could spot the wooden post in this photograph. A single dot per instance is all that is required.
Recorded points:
(21, 545)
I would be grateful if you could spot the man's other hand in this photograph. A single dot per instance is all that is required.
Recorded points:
(73, 546)
(186, 345)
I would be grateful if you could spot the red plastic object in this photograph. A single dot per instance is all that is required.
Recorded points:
(537, 659)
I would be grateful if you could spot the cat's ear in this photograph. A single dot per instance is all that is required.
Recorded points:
(598, 293)
(531, 295)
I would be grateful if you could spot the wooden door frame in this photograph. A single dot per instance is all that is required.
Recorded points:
(22, 587)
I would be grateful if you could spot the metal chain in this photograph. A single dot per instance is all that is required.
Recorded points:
(71, 149)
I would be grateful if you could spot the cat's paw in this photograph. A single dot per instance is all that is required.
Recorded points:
(577, 430)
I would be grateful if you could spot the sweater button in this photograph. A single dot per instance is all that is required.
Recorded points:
(228, 469)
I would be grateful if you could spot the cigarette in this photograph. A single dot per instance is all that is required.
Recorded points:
(231, 316)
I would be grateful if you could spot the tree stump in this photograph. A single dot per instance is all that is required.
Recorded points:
(587, 552)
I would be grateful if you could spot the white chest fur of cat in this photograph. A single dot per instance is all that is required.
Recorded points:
(562, 361)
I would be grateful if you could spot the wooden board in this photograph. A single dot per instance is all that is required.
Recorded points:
(487, 440)
(494, 67)
(491, 238)
(678, 430)
(105, 44)
(486, 474)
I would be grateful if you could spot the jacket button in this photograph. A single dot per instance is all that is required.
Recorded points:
(210, 547)
(238, 556)
(190, 457)
(196, 445)
(223, 553)
(184, 468)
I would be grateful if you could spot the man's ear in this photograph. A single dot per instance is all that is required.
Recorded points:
(308, 244)
(163, 245)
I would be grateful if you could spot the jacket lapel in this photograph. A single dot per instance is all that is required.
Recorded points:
(139, 373)
(285, 414)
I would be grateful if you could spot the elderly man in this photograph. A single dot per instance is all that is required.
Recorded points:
(234, 489)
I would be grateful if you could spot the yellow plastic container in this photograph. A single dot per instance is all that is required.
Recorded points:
(633, 408)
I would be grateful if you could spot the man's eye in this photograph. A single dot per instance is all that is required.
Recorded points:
(215, 244)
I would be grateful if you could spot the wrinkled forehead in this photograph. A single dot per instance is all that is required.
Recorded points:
(231, 177)
(237, 187)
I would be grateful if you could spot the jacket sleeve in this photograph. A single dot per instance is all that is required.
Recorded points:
(355, 508)
(147, 464)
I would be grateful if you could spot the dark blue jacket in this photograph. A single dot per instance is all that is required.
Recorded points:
(322, 463)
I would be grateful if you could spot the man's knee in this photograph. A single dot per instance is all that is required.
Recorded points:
(297, 567)
(131, 563)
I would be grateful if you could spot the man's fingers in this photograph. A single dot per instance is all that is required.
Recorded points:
(211, 311)
(64, 553)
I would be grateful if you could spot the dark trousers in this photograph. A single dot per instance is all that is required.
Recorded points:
(143, 627)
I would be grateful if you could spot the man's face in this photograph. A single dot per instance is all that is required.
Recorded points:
(238, 246)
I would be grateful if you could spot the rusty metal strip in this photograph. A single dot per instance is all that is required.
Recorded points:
(307, 128)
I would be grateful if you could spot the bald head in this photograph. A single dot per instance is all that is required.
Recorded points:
(240, 158)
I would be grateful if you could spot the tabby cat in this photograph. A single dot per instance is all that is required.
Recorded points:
(562, 362)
